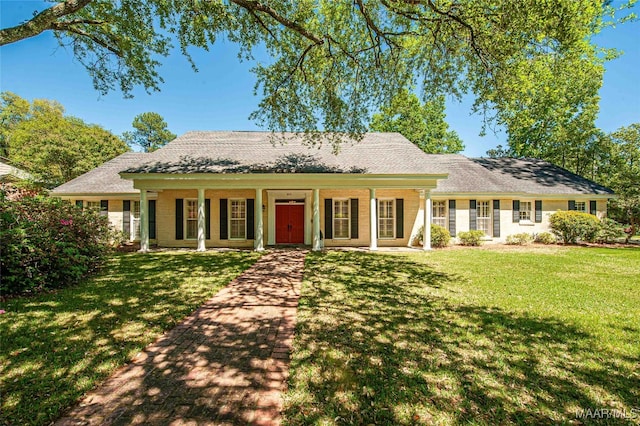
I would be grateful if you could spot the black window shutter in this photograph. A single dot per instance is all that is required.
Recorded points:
(207, 218)
(592, 207)
(126, 217)
(179, 219)
(538, 211)
(152, 219)
(79, 203)
(251, 214)
(399, 217)
(516, 211)
(224, 219)
(354, 218)
(452, 218)
(328, 218)
(572, 204)
(104, 207)
(496, 218)
(473, 215)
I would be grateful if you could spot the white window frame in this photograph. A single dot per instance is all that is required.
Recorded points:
(93, 205)
(582, 204)
(530, 211)
(487, 219)
(393, 218)
(231, 219)
(188, 201)
(439, 220)
(347, 219)
(134, 222)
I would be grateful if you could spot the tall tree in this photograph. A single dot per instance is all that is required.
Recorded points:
(334, 62)
(422, 123)
(13, 109)
(549, 106)
(150, 132)
(54, 147)
(621, 172)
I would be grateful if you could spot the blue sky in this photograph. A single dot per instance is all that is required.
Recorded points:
(220, 96)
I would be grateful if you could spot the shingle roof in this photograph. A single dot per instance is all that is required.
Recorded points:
(8, 171)
(104, 179)
(510, 175)
(264, 152)
(377, 153)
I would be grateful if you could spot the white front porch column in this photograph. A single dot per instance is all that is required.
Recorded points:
(373, 219)
(201, 221)
(144, 222)
(426, 235)
(258, 243)
(317, 244)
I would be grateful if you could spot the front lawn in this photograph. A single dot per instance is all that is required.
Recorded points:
(57, 346)
(471, 336)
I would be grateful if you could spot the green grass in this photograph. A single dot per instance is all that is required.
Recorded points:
(470, 336)
(57, 346)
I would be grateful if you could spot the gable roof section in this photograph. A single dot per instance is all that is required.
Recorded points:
(511, 176)
(9, 172)
(103, 179)
(266, 152)
(535, 176)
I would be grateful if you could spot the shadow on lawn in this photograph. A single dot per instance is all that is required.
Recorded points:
(57, 346)
(378, 342)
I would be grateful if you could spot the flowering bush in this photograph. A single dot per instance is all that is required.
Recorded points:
(47, 243)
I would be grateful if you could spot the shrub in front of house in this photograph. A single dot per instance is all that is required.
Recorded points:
(610, 231)
(48, 243)
(572, 226)
(440, 236)
(471, 238)
(521, 239)
(545, 238)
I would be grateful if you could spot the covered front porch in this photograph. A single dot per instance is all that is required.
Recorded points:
(274, 209)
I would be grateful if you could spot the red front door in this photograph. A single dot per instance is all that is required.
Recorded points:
(289, 223)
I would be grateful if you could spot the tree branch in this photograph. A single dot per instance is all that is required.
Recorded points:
(96, 40)
(41, 22)
(254, 5)
(472, 34)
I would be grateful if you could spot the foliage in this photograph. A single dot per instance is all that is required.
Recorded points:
(573, 226)
(422, 123)
(610, 231)
(57, 346)
(150, 132)
(53, 147)
(440, 236)
(621, 172)
(549, 107)
(48, 243)
(471, 238)
(545, 238)
(521, 239)
(442, 338)
(500, 152)
(332, 62)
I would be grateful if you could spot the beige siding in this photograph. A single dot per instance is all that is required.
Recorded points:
(507, 226)
(413, 216)
(411, 204)
(166, 219)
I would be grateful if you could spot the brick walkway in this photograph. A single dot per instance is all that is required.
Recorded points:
(226, 364)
